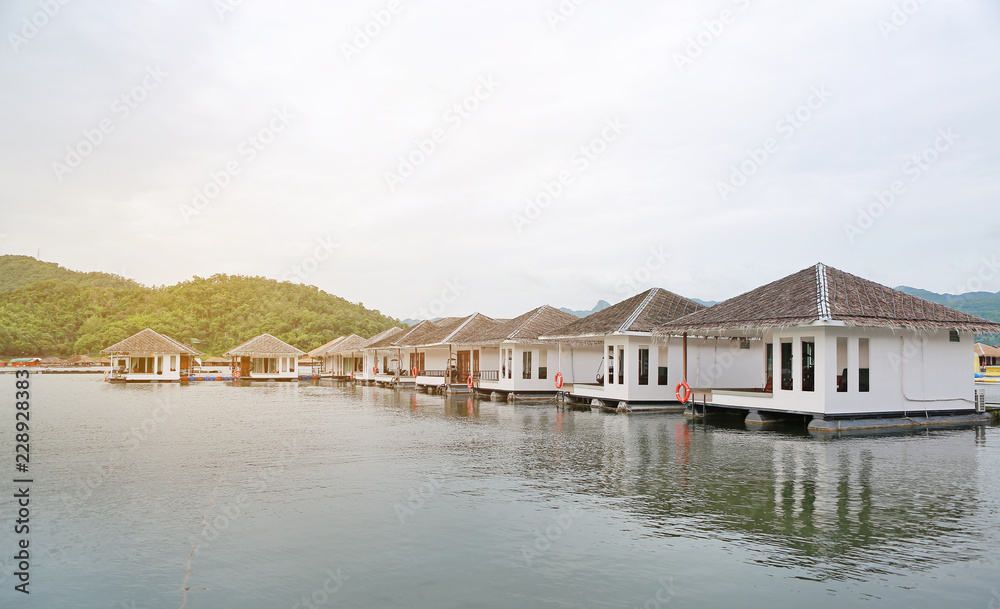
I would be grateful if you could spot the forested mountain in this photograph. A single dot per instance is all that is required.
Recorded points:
(19, 271)
(67, 313)
(983, 304)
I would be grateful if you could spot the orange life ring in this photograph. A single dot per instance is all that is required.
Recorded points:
(236, 374)
(374, 369)
(687, 392)
(414, 372)
(470, 382)
(559, 380)
(352, 375)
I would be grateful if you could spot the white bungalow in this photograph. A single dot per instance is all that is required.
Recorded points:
(343, 358)
(633, 370)
(149, 356)
(508, 357)
(266, 358)
(319, 354)
(838, 349)
(433, 350)
(383, 358)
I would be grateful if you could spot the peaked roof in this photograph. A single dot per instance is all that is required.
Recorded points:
(318, 351)
(986, 350)
(823, 293)
(383, 338)
(522, 329)
(350, 343)
(265, 344)
(81, 359)
(148, 341)
(640, 313)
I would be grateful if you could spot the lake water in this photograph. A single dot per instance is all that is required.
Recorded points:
(364, 497)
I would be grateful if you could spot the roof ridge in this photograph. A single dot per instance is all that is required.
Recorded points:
(459, 328)
(538, 312)
(822, 293)
(638, 310)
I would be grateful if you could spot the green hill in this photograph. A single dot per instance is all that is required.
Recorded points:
(983, 304)
(82, 313)
(20, 271)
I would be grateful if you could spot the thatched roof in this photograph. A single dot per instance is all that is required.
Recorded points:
(523, 329)
(148, 341)
(318, 351)
(52, 361)
(986, 350)
(383, 339)
(80, 359)
(215, 361)
(822, 293)
(640, 313)
(350, 343)
(454, 330)
(265, 344)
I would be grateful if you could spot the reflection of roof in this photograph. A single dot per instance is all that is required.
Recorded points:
(148, 341)
(640, 313)
(823, 293)
(265, 344)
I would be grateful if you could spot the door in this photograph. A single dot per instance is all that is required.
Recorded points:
(464, 364)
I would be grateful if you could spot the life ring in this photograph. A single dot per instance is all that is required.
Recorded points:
(469, 382)
(352, 375)
(236, 374)
(374, 369)
(687, 392)
(414, 372)
(559, 380)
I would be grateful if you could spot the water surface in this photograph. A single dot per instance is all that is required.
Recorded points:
(400, 499)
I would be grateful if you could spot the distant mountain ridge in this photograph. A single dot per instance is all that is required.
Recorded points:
(600, 306)
(983, 304)
(61, 312)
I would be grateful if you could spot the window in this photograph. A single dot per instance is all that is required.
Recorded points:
(621, 365)
(510, 363)
(953, 336)
(159, 364)
(769, 367)
(661, 362)
(808, 364)
(643, 365)
(173, 363)
(526, 361)
(786, 366)
(841, 369)
(291, 364)
(744, 343)
(543, 364)
(142, 365)
(864, 356)
(611, 364)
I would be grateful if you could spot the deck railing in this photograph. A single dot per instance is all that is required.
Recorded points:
(487, 375)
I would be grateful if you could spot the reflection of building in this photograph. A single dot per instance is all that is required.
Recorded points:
(837, 347)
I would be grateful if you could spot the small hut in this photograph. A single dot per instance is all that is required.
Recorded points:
(838, 347)
(265, 357)
(81, 360)
(150, 356)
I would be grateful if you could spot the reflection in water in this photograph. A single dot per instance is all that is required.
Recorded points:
(316, 472)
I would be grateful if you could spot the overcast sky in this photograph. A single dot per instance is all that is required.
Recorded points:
(451, 157)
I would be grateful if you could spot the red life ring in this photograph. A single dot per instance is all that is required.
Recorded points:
(559, 380)
(236, 374)
(470, 382)
(352, 375)
(414, 372)
(374, 369)
(687, 392)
